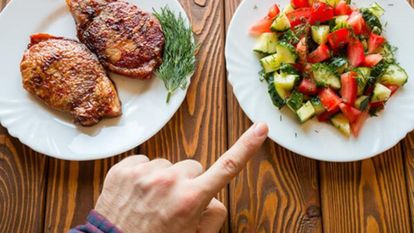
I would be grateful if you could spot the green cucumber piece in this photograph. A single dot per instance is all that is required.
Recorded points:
(281, 23)
(306, 112)
(274, 96)
(317, 105)
(376, 9)
(362, 78)
(342, 123)
(295, 101)
(381, 93)
(325, 76)
(266, 43)
(271, 63)
(320, 33)
(284, 81)
(288, 8)
(394, 75)
(362, 102)
(287, 52)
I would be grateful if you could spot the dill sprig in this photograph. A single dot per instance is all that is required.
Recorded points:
(179, 51)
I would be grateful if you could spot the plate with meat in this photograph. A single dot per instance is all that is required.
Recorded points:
(87, 79)
(332, 78)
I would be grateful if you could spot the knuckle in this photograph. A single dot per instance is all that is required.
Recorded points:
(219, 209)
(163, 180)
(230, 165)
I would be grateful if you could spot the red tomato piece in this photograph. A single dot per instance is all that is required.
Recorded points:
(349, 87)
(377, 104)
(393, 88)
(329, 99)
(356, 126)
(356, 53)
(349, 112)
(299, 16)
(261, 26)
(372, 60)
(273, 12)
(308, 87)
(339, 38)
(299, 3)
(342, 8)
(321, 12)
(357, 23)
(374, 42)
(325, 116)
(319, 54)
(302, 51)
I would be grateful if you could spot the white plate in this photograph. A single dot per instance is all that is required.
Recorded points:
(313, 139)
(52, 133)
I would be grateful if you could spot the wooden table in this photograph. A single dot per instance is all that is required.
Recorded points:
(278, 192)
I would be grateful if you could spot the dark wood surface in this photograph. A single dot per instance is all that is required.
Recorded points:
(279, 191)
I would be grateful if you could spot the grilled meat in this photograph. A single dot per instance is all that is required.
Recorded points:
(66, 76)
(127, 40)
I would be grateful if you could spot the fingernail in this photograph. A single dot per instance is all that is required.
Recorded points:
(260, 129)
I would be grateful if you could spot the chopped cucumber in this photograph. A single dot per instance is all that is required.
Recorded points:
(381, 93)
(317, 105)
(362, 78)
(331, 2)
(287, 52)
(295, 101)
(362, 102)
(340, 64)
(340, 22)
(376, 9)
(266, 43)
(276, 99)
(341, 123)
(325, 76)
(281, 23)
(320, 33)
(387, 53)
(271, 63)
(394, 75)
(284, 81)
(288, 8)
(306, 112)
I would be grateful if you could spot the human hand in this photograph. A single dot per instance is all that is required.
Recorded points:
(158, 197)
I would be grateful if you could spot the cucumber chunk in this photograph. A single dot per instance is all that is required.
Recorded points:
(295, 101)
(271, 63)
(306, 112)
(266, 43)
(325, 76)
(381, 93)
(317, 105)
(394, 75)
(320, 33)
(287, 52)
(362, 78)
(341, 123)
(274, 96)
(331, 2)
(284, 81)
(288, 8)
(362, 102)
(376, 9)
(281, 23)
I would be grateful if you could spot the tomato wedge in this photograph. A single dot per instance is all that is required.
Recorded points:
(374, 42)
(357, 23)
(273, 12)
(308, 87)
(393, 88)
(299, 3)
(325, 116)
(349, 87)
(299, 16)
(261, 27)
(339, 38)
(356, 126)
(349, 112)
(372, 60)
(319, 54)
(342, 8)
(321, 12)
(329, 99)
(356, 53)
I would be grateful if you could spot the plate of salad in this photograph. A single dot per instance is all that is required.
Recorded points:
(330, 77)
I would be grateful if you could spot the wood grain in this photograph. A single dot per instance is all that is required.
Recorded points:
(409, 171)
(72, 190)
(279, 191)
(22, 186)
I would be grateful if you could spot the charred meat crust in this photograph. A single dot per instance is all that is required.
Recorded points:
(66, 76)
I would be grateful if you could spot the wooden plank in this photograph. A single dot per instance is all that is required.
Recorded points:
(198, 129)
(22, 186)
(72, 190)
(409, 170)
(279, 191)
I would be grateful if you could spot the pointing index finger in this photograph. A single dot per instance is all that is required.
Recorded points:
(234, 160)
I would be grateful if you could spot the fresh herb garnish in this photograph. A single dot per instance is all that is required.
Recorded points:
(179, 51)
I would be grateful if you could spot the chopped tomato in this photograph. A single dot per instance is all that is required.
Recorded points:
(299, 16)
(325, 116)
(374, 42)
(339, 38)
(372, 60)
(273, 12)
(356, 126)
(342, 8)
(357, 23)
(261, 27)
(299, 3)
(349, 112)
(302, 51)
(380, 104)
(321, 12)
(319, 54)
(356, 53)
(329, 99)
(393, 88)
(308, 87)
(349, 87)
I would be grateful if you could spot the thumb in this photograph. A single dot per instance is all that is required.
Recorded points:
(213, 217)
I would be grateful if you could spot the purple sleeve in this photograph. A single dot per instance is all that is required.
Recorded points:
(96, 223)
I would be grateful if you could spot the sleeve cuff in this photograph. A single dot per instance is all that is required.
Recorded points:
(96, 223)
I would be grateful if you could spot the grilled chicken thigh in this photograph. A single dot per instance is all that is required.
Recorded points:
(66, 76)
(127, 40)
